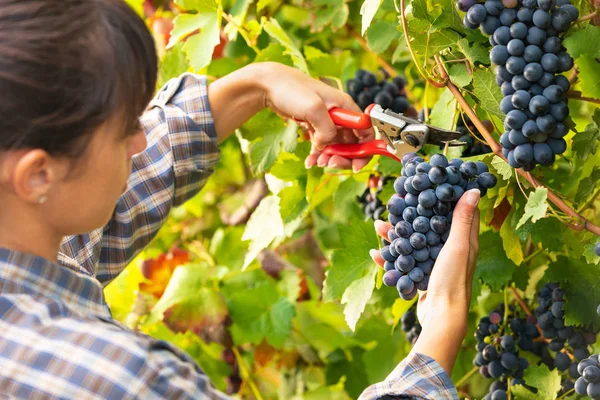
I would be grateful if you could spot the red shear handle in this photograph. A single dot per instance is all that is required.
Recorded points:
(350, 119)
(359, 150)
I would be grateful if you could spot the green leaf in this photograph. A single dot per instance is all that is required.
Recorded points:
(293, 202)
(356, 295)
(435, 15)
(120, 294)
(173, 64)
(228, 248)
(585, 42)
(510, 241)
(502, 167)
(488, 93)
(264, 226)
(187, 305)
(276, 53)
(587, 185)
(399, 308)
(443, 111)
(198, 47)
(539, 233)
(380, 35)
(536, 206)
(274, 30)
(260, 313)
(589, 74)
(581, 283)
(459, 75)
(368, 11)
(389, 166)
(352, 261)
(540, 377)
(344, 198)
(435, 42)
(474, 52)
(586, 142)
(493, 267)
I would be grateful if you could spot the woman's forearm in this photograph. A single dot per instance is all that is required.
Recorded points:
(236, 97)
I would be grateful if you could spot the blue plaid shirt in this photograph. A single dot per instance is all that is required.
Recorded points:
(57, 336)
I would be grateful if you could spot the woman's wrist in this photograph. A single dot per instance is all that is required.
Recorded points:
(238, 96)
(441, 336)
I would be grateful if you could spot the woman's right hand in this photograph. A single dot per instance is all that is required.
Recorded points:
(443, 308)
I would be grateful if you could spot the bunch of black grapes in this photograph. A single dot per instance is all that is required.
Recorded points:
(526, 36)
(421, 213)
(410, 325)
(366, 89)
(373, 207)
(497, 353)
(588, 371)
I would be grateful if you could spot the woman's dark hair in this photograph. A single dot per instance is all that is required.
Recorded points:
(67, 67)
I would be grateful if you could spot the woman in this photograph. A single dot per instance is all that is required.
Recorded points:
(85, 184)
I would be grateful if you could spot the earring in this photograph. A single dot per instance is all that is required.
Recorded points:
(42, 199)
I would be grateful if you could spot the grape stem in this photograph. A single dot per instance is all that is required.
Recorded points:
(564, 395)
(496, 148)
(423, 73)
(576, 95)
(466, 377)
(246, 374)
(586, 17)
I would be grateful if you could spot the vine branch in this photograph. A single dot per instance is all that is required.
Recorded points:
(576, 95)
(496, 148)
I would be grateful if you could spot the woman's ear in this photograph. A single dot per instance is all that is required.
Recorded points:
(31, 174)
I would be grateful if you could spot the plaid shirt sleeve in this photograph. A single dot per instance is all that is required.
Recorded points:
(417, 377)
(180, 157)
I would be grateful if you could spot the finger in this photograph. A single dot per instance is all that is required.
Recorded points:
(376, 256)
(359, 163)
(323, 160)
(316, 113)
(311, 160)
(382, 228)
(462, 217)
(474, 242)
(339, 162)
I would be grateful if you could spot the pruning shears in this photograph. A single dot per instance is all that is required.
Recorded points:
(400, 134)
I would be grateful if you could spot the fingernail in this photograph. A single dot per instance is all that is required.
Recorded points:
(372, 253)
(321, 164)
(473, 197)
(355, 169)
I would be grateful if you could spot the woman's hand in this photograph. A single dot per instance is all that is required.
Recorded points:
(293, 94)
(443, 308)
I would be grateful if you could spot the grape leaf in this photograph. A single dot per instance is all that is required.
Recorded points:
(356, 295)
(352, 261)
(539, 233)
(200, 5)
(511, 242)
(380, 35)
(589, 75)
(581, 283)
(274, 30)
(228, 248)
(590, 254)
(399, 308)
(540, 377)
(586, 142)
(173, 64)
(586, 41)
(274, 52)
(349, 364)
(443, 111)
(260, 313)
(502, 167)
(199, 46)
(187, 305)
(264, 226)
(120, 294)
(493, 267)
(293, 201)
(429, 44)
(389, 166)
(488, 93)
(345, 197)
(587, 185)
(536, 206)
(474, 52)
(459, 75)
(435, 15)
(368, 10)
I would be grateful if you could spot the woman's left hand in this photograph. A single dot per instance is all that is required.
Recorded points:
(293, 94)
